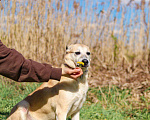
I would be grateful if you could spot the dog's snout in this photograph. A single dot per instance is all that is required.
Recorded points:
(85, 61)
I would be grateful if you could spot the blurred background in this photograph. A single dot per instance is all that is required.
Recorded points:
(117, 32)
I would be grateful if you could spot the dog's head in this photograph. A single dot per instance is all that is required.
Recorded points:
(77, 53)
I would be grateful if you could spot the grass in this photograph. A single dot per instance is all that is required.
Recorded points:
(11, 93)
(111, 102)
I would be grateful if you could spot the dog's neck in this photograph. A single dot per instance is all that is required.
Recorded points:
(83, 77)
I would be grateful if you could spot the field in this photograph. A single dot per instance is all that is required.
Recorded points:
(117, 34)
(103, 103)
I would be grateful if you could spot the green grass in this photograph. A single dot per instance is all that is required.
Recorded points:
(11, 93)
(113, 105)
(112, 102)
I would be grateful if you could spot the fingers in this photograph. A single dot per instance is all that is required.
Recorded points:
(77, 73)
(74, 71)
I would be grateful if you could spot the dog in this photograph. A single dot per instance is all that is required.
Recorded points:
(57, 100)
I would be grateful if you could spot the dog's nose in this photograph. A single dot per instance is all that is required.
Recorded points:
(85, 61)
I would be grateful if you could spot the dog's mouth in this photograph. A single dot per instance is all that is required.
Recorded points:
(82, 66)
(84, 63)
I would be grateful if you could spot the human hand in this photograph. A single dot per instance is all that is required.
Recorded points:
(74, 73)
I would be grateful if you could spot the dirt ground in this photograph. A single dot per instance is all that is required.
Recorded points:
(136, 79)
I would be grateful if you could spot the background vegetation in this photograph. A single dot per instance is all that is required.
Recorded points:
(118, 35)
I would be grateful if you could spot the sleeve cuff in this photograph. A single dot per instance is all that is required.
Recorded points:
(56, 73)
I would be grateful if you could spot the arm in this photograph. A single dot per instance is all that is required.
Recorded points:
(13, 65)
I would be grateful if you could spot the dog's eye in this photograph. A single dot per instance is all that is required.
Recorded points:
(77, 53)
(88, 53)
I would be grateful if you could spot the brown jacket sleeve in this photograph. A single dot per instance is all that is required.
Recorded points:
(13, 65)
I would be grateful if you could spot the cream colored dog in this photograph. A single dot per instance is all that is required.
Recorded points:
(56, 100)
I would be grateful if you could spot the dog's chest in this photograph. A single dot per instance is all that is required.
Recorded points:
(81, 95)
(79, 98)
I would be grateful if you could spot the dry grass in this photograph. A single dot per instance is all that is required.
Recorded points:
(120, 46)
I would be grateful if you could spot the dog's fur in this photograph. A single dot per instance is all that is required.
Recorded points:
(56, 100)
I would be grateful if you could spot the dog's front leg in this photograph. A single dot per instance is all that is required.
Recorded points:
(61, 116)
(75, 116)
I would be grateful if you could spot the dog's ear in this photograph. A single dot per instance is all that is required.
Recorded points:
(66, 47)
(69, 61)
